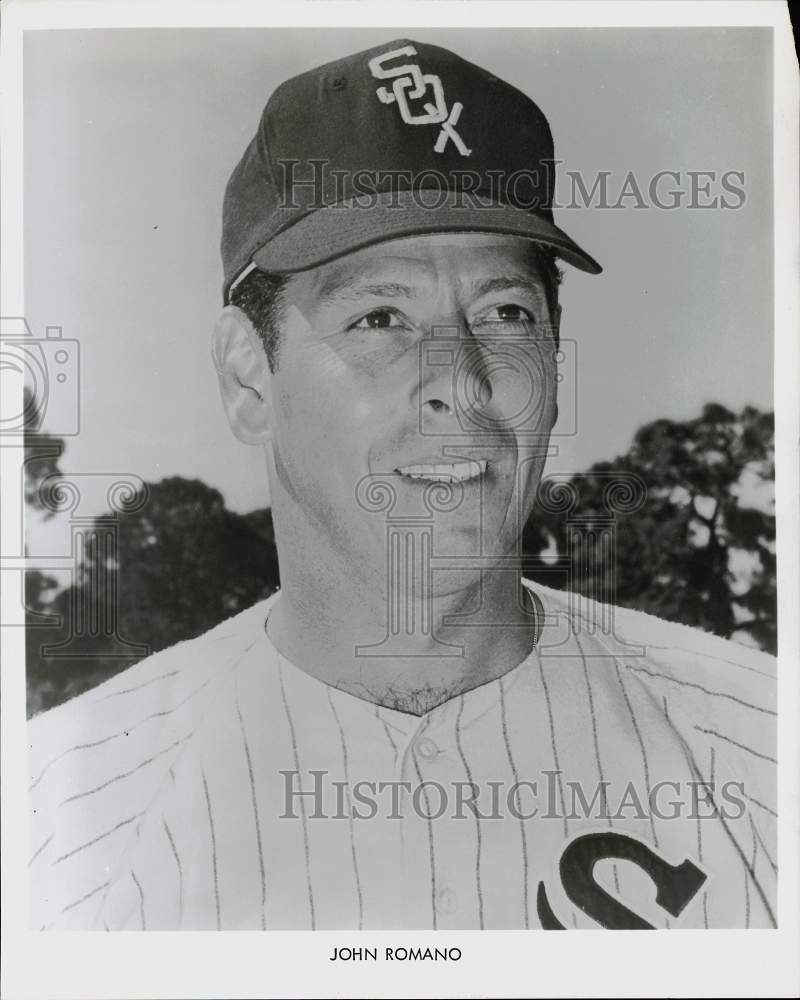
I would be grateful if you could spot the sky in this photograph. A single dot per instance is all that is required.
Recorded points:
(130, 136)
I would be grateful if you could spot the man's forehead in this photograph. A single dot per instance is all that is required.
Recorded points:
(469, 258)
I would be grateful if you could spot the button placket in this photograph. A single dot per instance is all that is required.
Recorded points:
(446, 901)
(426, 748)
(439, 761)
(413, 830)
(413, 749)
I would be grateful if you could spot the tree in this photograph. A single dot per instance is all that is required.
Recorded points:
(186, 562)
(701, 549)
(42, 455)
(181, 564)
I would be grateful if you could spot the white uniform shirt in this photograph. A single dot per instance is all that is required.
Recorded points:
(163, 798)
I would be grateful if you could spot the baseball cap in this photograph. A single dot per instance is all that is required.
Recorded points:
(400, 140)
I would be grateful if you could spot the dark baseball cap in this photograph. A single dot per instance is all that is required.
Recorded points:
(401, 140)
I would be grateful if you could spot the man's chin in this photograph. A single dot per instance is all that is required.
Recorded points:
(463, 561)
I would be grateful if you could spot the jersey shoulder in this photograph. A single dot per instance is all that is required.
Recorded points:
(97, 761)
(152, 685)
(717, 695)
(670, 648)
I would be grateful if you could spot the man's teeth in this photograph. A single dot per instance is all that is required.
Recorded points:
(448, 472)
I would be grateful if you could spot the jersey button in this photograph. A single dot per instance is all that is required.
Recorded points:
(446, 901)
(427, 749)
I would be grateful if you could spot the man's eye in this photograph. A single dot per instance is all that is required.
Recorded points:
(377, 319)
(506, 313)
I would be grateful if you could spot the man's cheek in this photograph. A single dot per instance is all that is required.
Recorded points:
(367, 411)
(324, 428)
(348, 410)
(519, 377)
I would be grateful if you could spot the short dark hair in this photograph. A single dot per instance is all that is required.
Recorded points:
(259, 297)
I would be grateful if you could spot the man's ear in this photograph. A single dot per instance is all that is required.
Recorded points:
(243, 371)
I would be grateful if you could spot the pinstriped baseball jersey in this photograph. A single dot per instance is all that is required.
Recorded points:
(617, 777)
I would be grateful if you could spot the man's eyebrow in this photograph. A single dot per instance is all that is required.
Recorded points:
(354, 288)
(350, 289)
(509, 282)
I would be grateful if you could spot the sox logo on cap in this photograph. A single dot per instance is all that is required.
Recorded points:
(329, 118)
(410, 81)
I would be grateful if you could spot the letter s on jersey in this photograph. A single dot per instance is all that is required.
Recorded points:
(676, 884)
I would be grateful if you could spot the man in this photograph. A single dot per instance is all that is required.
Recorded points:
(408, 735)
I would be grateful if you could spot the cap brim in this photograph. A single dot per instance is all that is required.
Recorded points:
(330, 232)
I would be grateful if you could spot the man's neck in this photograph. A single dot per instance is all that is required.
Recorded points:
(398, 647)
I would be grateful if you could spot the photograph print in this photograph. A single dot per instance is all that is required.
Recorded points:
(399, 461)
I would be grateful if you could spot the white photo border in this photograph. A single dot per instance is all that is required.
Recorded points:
(494, 963)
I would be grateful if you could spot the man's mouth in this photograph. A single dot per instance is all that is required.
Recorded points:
(445, 472)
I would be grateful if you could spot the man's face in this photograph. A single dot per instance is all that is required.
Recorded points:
(417, 361)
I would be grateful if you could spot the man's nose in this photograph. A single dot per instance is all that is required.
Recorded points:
(454, 377)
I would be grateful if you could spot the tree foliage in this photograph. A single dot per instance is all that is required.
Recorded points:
(701, 548)
(42, 454)
(180, 563)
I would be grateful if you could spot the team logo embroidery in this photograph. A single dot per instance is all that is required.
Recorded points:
(676, 885)
(410, 82)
